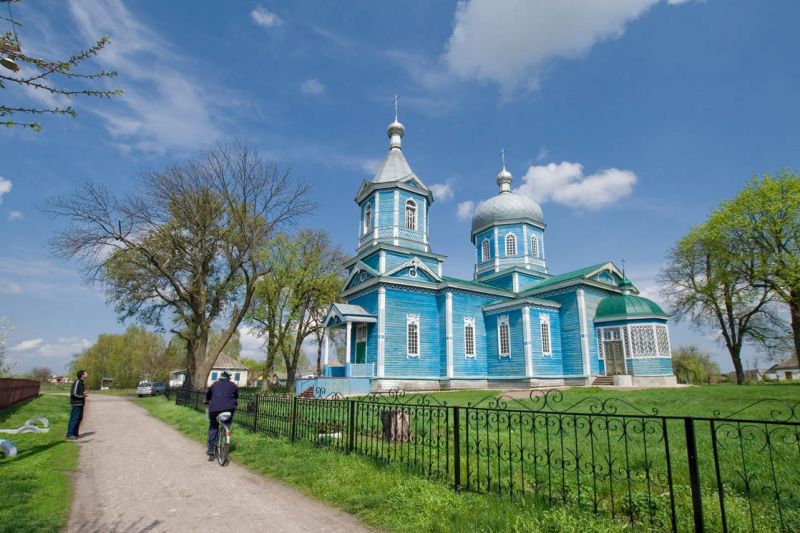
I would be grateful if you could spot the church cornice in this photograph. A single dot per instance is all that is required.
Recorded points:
(368, 187)
(425, 286)
(510, 222)
(377, 247)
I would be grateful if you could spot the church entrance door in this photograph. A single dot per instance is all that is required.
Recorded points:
(361, 344)
(615, 358)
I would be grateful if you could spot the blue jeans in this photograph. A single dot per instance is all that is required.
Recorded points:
(75, 418)
(213, 428)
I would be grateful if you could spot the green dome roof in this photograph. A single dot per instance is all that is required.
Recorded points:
(628, 306)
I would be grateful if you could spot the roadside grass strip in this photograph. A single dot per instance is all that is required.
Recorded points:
(385, 497)
(35, 486)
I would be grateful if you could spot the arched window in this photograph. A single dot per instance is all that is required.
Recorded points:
(503, 336)
(544, 324)
(368, 218)
(412, 335)
(411, 214)
(469, 337)
(511, 244)
(485, 250)
(534, 246)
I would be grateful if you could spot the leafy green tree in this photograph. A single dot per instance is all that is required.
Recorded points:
(183, 252)
(766, 216)
(18, 68)
(303, 276)
(703, 284)
(693, 365)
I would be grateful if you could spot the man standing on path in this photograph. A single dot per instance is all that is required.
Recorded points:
(221, 397)
(77, 397)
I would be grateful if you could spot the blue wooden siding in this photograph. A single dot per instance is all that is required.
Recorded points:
(373, 261)
(441, 305)
(516, 230)
(513, 366)
(400, 303)
(546, 365)
(421, 275)
(470, 305)
(650, 366)
(532, 230)
(527, 279)
(503, 282)
(386, 208)
(431, 263)
(593, 298)
(571, 355)
(605, 277)
(488, 234)
(369, 302)
(394, 259)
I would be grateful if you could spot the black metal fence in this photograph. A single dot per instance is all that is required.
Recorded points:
(606, 456)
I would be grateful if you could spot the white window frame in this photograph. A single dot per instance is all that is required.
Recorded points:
(412, 335)
(534, 246)
(630, 343)
(411, 214)
(511, 243)
(503, 326)
(469, 326)
(546, 333)
(367, 218)
(486, 250)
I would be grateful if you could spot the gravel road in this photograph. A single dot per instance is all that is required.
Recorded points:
(137, 474)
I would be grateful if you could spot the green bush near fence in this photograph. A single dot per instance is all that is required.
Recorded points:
(35, 487)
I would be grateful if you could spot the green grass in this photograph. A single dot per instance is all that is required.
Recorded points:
(387, 497)
(35, 488)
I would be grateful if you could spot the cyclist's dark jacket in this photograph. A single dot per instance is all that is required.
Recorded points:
(76, 393)
(222, 396)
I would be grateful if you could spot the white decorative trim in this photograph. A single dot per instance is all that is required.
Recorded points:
(469, 321)
(414, 219)
(502, 320)
(381, 262)
(515, 282)
(525, 241)
(583, 331)
(488, 255)
(526, 336)
(396, 211)
(448, 306)
(381, 330)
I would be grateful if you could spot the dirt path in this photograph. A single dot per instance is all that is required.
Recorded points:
(136, 474)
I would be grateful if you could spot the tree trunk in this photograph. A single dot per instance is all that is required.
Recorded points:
(794, 309)
(319, 353)
(202, 364)
(737, 365)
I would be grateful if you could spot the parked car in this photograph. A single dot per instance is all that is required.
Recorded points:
(150, 388)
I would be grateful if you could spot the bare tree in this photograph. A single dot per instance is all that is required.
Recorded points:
(18, 68)
(184, 250)
(5, 331)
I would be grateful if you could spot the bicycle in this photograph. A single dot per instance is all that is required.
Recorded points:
(222, 447)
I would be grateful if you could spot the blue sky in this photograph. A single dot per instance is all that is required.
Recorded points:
(629, 120)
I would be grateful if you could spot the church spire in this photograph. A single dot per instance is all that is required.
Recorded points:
(396, 129)
(504, 177)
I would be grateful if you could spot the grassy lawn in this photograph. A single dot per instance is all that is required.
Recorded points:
(35, 488)
(386, 497)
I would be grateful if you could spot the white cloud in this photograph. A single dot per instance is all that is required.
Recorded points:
(162, 108)
(466, 210)
(14, 215)
(252, 344)
(312, 86)
(5, 187)
(565, 183)
(677, 2)
(510, 42)
(63, 347)
(9, 287)
(265, 18)
(442, 191)
(27, 346)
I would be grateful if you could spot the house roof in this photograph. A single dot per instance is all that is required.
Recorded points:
(788, 363)
(568, 276)
(343, 313)
(628, 306)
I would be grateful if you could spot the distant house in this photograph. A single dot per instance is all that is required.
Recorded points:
(784, 370)
(59, 380)
(224, 362)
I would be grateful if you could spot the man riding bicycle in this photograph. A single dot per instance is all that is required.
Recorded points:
(222, 396)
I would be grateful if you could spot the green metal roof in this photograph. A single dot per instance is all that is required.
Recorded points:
(575, 274)
(628, 306)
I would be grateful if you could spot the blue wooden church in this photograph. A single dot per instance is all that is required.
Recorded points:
(515, 324)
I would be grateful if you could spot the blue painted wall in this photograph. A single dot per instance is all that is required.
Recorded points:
(386, 208)
(470, 305)
(400, 303)
(546, 365)
(369, 302)
(514, 365)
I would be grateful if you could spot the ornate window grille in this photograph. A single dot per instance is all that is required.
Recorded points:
(511, 244)
(544, 323)
(534, 246)
(367, 218)
(485, 250)
(662, 339)
(643, 341)
(469, 337)
(411, 215)
(503, 336)
(412, 335)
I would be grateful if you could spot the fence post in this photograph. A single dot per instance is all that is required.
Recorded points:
(457, 448)
(294, 418)
(694, 474)
(255, 414)
(351, 424)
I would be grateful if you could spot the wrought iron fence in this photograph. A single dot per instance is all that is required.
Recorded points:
(605, 456)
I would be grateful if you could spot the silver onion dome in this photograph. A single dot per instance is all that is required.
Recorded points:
(506, 207)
